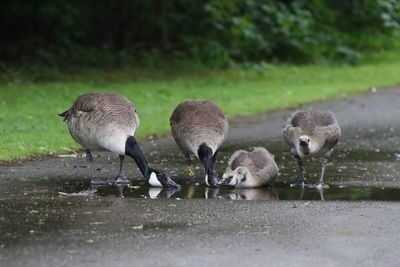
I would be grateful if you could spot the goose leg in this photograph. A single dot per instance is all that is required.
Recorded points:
(120, 179)
(89, 159)
(320, 183)
(302, 181)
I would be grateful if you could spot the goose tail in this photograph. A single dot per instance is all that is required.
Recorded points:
(63, 114)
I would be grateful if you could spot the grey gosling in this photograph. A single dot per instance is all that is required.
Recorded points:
(107, 122)
(250, 169)
(312, 133)
(199, 128)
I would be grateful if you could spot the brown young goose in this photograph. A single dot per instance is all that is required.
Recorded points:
(250, 169)
(312, 133)
(199, 128)
(107, 122)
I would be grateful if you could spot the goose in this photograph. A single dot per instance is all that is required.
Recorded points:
(107, 122)
(250, 169)
(312, 133)
(199, 128)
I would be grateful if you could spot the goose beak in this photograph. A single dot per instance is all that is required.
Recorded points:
(160, 179)
(171, 183)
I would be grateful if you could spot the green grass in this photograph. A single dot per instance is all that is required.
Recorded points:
(28, 110)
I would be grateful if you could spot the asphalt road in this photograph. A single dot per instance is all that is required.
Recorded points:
(40, 227)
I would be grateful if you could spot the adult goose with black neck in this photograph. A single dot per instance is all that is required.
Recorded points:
(107, 122)
(199, 128)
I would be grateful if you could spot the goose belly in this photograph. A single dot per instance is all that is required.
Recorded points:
(114, 141)
(111, 138)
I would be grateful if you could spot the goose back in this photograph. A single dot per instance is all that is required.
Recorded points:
(102, 121)
(259, 162)
(196, 122)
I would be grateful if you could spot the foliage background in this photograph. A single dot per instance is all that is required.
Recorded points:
(248, 56)
(209, 32)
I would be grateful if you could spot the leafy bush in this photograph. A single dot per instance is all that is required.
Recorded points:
(211, 32)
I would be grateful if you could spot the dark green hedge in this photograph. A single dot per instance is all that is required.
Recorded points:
(209, 31)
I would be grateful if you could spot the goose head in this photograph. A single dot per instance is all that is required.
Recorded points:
(154, 177)
(161, 179)
(240, 177)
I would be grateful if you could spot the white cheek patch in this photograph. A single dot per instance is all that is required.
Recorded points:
(154, 181)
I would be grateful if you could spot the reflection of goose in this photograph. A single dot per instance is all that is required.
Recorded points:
(250, 169)
(107, 122)
(320, 191)
(211, 193)
(199, 128)
(262, 193)
(312, 133)
(156, 192)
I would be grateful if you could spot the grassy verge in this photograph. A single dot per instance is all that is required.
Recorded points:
(28, 110)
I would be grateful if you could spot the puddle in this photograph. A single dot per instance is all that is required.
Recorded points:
(279, 191)
(75, 188)
(30, 207)
(352, 175)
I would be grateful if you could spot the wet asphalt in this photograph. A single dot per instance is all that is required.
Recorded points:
(50, 216)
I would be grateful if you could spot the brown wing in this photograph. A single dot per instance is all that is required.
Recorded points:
(195, 122)
(238, 159)
(107, 105)
(203, 112)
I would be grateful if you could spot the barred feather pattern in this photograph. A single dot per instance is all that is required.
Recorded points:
(102, 121)
(196, 122)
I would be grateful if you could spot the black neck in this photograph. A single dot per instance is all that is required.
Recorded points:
(132, 149)
(205, 154)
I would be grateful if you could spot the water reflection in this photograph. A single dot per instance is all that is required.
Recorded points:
(263, 193)
(157, 192)
(191, 191)
(320, 191)
(279, 191)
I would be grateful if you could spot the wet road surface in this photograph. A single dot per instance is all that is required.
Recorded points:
(49, 214)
